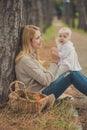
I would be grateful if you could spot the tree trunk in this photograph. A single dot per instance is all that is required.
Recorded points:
(41, 13)
(82, 9)
(47, 11)
(69, 13)
(10, 22)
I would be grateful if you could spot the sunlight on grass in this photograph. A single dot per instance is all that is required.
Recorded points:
(50, 33)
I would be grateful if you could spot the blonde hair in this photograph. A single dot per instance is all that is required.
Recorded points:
(27, 36)
(65, 30)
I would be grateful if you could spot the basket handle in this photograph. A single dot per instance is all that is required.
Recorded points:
(16, 86)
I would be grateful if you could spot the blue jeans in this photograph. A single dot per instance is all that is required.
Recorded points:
(63, 82)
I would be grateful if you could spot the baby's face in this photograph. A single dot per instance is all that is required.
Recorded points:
(63, 38)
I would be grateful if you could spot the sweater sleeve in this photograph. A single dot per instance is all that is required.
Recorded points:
(37, 73)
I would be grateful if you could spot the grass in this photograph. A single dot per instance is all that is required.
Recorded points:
(78, 30)
(50, 33)
(60, 117)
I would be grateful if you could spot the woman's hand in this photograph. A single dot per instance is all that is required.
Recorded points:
(54, 52)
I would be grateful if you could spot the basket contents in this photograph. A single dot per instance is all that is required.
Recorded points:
(34, 96)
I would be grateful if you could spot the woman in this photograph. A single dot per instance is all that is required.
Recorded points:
(35, 76)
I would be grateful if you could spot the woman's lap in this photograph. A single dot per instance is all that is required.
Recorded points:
(58, 86)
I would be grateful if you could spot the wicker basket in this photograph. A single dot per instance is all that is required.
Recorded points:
(21, 100)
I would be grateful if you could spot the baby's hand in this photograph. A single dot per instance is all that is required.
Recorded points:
(54, 54)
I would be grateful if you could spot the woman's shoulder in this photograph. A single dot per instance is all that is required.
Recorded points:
(26, 58)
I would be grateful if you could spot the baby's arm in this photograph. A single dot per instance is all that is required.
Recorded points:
(66, 51)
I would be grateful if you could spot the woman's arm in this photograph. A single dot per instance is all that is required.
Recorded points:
(35, 71)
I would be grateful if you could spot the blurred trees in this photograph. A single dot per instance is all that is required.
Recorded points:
(69, 13)
(37, 12)
(82, 10)
(74, 12)
(13, 15)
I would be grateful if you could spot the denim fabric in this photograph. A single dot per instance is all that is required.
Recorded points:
(63, 82)
(79, 81)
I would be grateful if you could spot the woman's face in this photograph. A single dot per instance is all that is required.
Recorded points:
(37, 40)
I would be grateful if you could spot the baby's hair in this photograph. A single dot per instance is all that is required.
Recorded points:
(65, 30)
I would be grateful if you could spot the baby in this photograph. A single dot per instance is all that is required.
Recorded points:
(68, 59)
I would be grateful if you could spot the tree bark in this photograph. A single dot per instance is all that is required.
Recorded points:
(69, 13)
(82, 9)
(10, 15)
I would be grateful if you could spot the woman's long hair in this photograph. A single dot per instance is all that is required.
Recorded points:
(27, 36)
